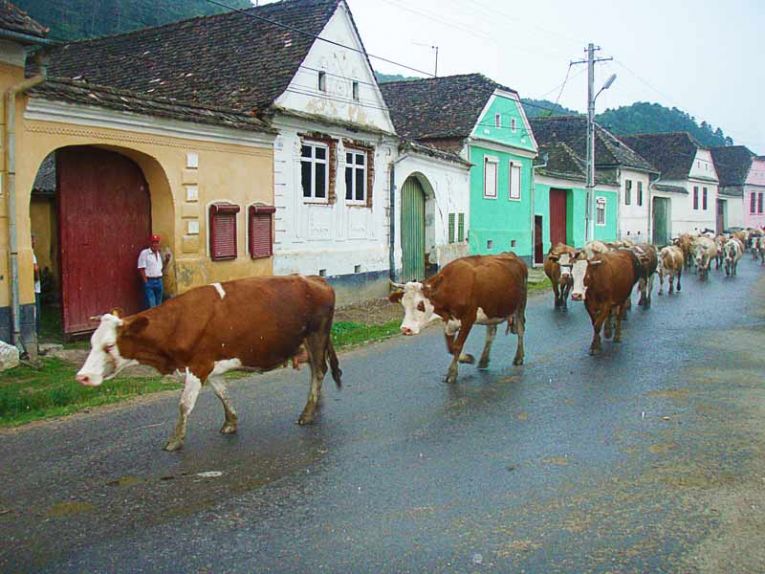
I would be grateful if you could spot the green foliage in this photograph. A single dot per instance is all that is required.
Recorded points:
(545, 108)
(347, 333)
(28, 394)
(383, 78)
(79, 19)
(644, 117)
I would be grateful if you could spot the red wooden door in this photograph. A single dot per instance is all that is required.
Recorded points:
(558, 231)
(104, 222)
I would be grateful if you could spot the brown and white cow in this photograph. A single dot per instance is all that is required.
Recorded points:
(479, 289)
(758, 248)
(557, 267)
(255, 323)
(649, 261)
(605, 284)
(671, 262)
(733, 251)
(685, 243)
(704, 250)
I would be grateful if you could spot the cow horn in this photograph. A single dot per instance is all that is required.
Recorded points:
(396, 285)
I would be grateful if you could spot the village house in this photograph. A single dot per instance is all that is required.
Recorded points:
(685, 196)
(742, 187)
(616, 164)
(560, 199)
(485, 124)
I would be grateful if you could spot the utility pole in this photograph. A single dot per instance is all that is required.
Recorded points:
(432, 47)
(589, 230)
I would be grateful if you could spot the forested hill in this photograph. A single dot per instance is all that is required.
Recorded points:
(78, 19)
(644, 117)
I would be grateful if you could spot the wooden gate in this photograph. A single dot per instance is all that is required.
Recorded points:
(721, 223)
(412, 231)
(558, 215)
(660, 221)
(104, 214)
(539, 254)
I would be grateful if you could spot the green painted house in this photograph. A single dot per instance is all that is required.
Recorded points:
(485, 124)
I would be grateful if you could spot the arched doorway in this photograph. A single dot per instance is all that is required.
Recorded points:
(412, 230)
(103, 218)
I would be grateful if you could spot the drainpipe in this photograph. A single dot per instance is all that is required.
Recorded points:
(392, 223)
(10, 159)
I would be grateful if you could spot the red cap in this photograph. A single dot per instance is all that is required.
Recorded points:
(154, 238)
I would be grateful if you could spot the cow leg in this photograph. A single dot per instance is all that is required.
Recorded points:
(450, 347)
(188, 400)
(661, 283)
(641, 290)
(491, 332)
(564, 291)
(316, 344)
(679, 275)
(458, 344)
(519, 320)
(597, 323)
(618, 334)
(556, 291)
(608, 327)
(229, 427)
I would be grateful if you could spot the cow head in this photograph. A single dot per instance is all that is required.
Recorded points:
(104, 360)
(579, 274)
(566, 262)
(418, 310)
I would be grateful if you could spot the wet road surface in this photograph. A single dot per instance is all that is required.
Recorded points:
(646, 458)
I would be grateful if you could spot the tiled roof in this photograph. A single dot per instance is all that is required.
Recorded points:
(124, 101)
(16, 20)
(446, 107)
(424, 149)
(610, 151)
(732, 164)
(561, 161)
(672, 153)
(671, 188)
(45, 181)
(235, 60)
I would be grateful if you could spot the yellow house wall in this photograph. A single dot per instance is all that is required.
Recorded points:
(241, 174)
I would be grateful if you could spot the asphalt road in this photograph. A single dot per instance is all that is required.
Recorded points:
(648, 458)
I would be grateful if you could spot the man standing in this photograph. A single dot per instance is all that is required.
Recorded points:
(38, 287)
(150, 264)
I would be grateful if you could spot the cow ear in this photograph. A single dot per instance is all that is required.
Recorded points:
(117, 312)
(135, 326)
(396, 296)
(553, 257)
(595, 262)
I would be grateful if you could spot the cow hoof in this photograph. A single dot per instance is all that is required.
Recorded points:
(518, 361)
(305, 419)
(173, 445)
(484, 364)
(595, 351)
(450, 379)
(467, 358)
(228, 428)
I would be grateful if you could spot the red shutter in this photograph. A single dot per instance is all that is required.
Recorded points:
(260, 230)
(223, 231)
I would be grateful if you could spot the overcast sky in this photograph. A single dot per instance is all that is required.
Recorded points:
(705, 57)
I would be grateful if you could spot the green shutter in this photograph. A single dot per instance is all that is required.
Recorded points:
(451, 228)
(461, 227)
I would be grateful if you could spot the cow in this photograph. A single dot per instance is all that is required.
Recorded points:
(649, 261)
(557, 267)
(758, 248)
(720, 241)
(704, 250)
(478, 289)
(595, 246)
(605, 284)
(685, 243)
(671, 263)
(256, 323)
(733, 250)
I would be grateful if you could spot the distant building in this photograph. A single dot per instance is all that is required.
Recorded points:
(742, 186)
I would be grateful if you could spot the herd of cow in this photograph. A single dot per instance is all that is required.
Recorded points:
(262, 323)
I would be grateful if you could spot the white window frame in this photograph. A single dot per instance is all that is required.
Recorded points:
(494, 161)
(354, 167)
(313, 160)
(600, 207)
(322, 83)
(517, 168)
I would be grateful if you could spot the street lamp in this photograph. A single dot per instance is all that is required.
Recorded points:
(590, 211)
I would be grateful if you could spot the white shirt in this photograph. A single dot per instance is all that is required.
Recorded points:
(152, 262)
(38, 287)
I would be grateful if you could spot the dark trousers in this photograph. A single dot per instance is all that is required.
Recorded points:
(152, 291)
(38, 308)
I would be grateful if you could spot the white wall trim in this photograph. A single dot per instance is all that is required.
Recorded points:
(60, 112)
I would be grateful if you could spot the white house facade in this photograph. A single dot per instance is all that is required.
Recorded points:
(634, 205)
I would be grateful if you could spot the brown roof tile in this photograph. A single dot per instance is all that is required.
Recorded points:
(16, 20)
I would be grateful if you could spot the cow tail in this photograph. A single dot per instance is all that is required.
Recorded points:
(334, 365)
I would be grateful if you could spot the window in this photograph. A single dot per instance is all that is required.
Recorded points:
(355, 176)
(355, 91)
(497, 121)
(704, 199)
(640, 193)
(223, 231)
(322, 81)
(314, 172)
(451, 227)
(695, 197)
(759, 202)
(752, 203)
(600, 211)
(461, 227)
(260, 231)
(515, 181)
(490, 177)
(627, 192)
(512, 125)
